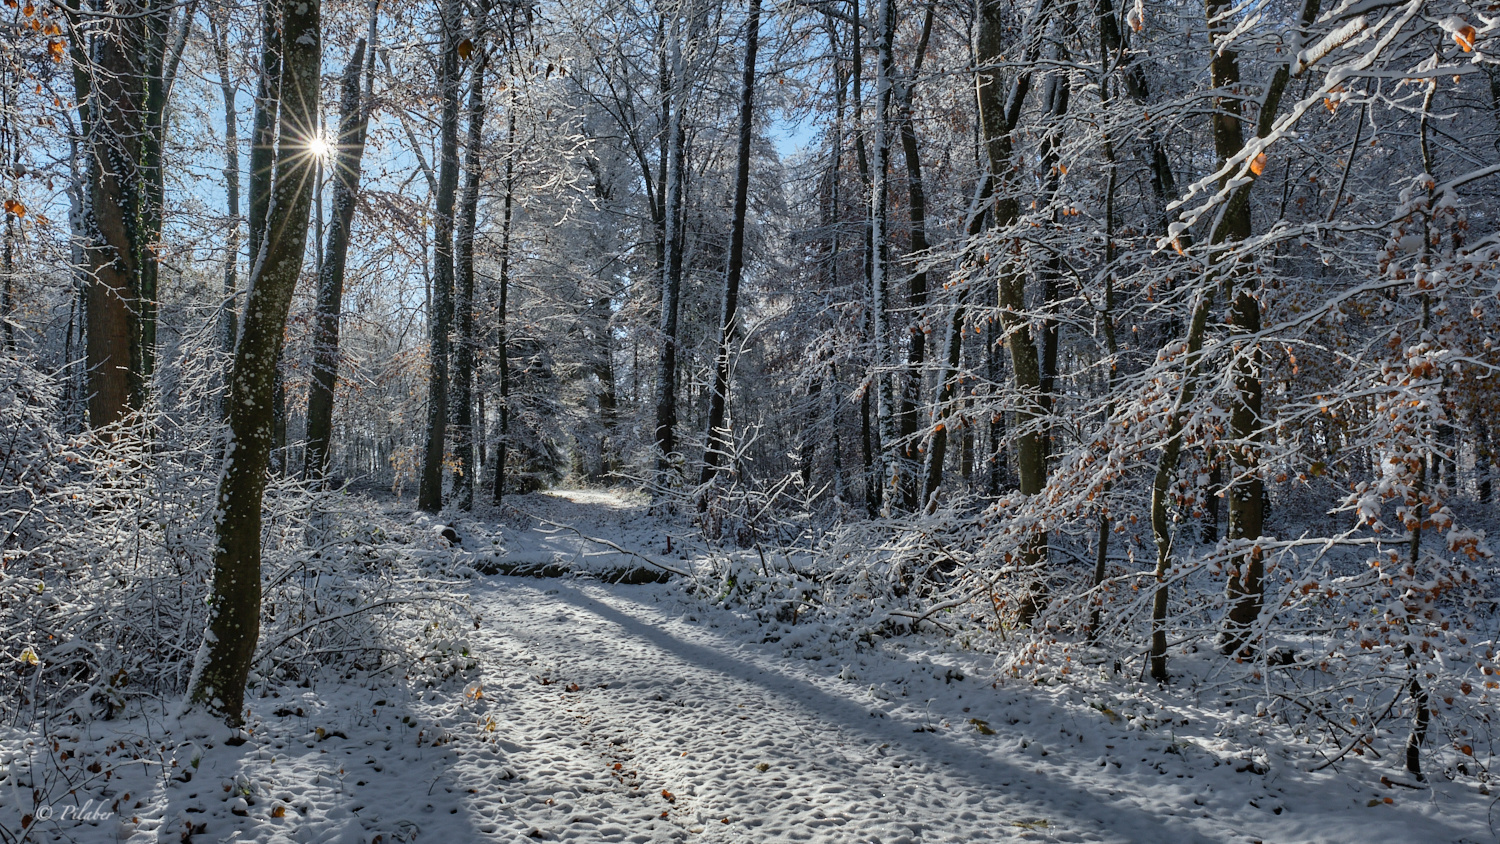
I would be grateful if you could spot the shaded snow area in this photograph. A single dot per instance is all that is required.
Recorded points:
(592, 712)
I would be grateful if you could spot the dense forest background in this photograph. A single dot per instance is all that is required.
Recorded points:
(1107, 334)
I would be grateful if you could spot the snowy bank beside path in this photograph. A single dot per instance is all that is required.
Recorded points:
(587, 712)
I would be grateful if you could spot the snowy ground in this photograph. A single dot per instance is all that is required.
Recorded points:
(589, 712)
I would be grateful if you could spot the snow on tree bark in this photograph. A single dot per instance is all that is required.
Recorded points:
(440, 315)
(234, 619)
(719, 438)
(348, 154)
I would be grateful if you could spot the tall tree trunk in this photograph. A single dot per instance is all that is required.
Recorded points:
(1106, 319)
(1233, 224)
(228, 650)
(1056, 100)
(888, 424)
(440, 315)
(718, 437)
(1245, 513)
(219, 38)
(869, 438)
(502, 349)
(79, 217)
(911, 393)
(468, 210)
(263, 127)
(833, 223)
(348, 156)
(10, 159)
(164, 47)
(999, 115)
(1247, 495)
(117, 243)
(942, 409)
(671, 279)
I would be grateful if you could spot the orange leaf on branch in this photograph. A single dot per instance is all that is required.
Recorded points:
(1464, 38)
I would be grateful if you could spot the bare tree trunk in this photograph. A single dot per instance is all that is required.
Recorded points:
(1056, 100)
(219, 38)
(1247, 494)
(462, 407)
(224, 661)
(1233, 224)
(671, 280)
(718, 438)
(263, 127)
(998, 118)
(79, 216)
(164, 46)
(996, 477)
(117, 243)
(440, 315)
(1106, 318)
(869, 437)
(354, 117)
(10, 158)
(502, 350)
(1484, 458)
(888, 424)
(911, 393)
(942, 409)
(832, 221)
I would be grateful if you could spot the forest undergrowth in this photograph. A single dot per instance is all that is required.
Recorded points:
(1337, 665)
(105, 587)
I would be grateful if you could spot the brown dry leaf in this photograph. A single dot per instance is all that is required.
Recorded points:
(278, 812)
(668, 796)
(1259, 164)
(15, 207)
(465, 49)
(1464, 37)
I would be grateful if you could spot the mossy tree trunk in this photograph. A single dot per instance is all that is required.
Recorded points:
(234, 619)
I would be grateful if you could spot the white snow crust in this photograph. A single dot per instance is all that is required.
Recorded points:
(589, 712)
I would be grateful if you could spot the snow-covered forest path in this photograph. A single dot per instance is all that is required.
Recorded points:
(589, 712)
(630, 713)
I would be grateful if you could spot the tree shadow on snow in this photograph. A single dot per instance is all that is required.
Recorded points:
(1048, 794)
